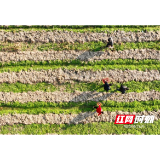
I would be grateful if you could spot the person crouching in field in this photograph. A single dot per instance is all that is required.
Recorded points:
(110, 43)
(106, 85)
(99, 109)
(123, 89)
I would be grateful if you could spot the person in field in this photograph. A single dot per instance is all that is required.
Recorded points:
(106, 85)
(110, 43)
(99, 109)
(123, 89)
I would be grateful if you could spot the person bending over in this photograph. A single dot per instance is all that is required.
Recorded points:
(107, 86)
(110, 43)
(123, 89)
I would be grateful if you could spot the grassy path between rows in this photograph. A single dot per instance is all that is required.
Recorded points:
(80, 67)
(77, 28)
(134, 86)
(81, 129)
(81, 63)
(76, 108)
(90, 46)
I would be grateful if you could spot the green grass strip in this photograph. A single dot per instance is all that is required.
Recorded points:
(80, 86)
(90, 46)
(78, 67)
(95, 128)
(81, 63)
(73, 107)
(82, 29)
(76, 26)
(98, 46)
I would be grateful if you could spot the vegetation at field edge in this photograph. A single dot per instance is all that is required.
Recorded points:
(82, 28)
(95, 128)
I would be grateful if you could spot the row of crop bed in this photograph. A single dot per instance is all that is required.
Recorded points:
(142, 56)
(62, 86)
(83, 118)
(87, 46)
(46, 74)
(79, 86)
(72, 37)
(76, 26)
(82, 28)
(78, 96)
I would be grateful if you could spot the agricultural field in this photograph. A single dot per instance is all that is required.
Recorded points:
(51, 77)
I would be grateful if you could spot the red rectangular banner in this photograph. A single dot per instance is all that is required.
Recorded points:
(124, 119)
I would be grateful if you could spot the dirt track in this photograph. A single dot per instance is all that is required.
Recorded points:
(71, 37)
(59, 75)
(86, 117)
(138, 54)
(77, 96)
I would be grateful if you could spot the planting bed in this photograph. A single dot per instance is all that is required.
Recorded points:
(54, 76)
(77, 96)
(86, 117)
(71, 37)
(137, 54)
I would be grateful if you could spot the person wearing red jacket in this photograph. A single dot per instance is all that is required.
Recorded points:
(98, 109)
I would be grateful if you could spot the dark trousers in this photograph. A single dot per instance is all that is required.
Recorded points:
(107, 89)
(109, 44)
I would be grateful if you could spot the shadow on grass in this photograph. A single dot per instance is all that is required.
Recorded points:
(71, 107)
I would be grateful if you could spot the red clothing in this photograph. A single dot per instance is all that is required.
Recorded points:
(99, 109)
(103, 81)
